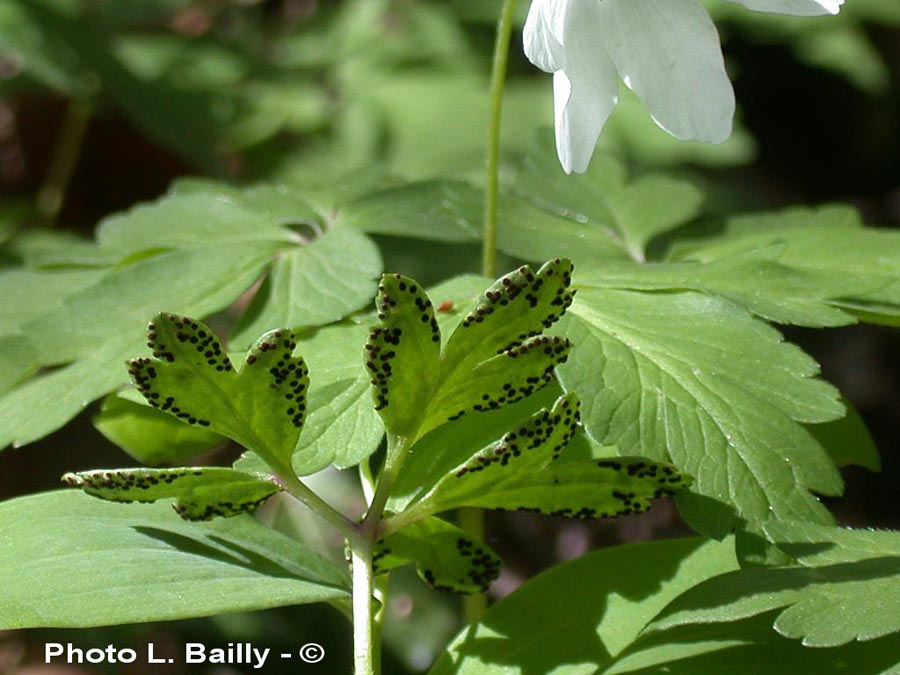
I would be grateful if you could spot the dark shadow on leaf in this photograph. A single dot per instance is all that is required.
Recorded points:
(800, 550)
(565, 611)
(236, 555)
(749, 647)
(723, 590)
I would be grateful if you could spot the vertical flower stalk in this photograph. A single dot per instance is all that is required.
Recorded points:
(472, 520)
(492, 157)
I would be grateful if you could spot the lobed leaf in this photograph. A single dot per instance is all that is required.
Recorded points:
(696, 381)
(262, 407)
(853, 266)
(520, 473)
(342, 428)
(418, 387)
(445, 557)
(201, 493)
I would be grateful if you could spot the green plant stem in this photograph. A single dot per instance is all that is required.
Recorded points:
(472, 520)
(397, 449)
(62, 163)
(492, 156)
(365, 661)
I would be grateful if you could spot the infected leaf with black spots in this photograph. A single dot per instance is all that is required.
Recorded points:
(402, 352)
(496, 355)
(262, 407)
(201, 493)
(520, 473)
(445, 556)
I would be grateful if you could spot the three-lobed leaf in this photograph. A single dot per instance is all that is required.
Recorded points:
(262, 407)
(496, 355)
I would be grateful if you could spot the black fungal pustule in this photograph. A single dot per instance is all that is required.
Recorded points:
(519, 306)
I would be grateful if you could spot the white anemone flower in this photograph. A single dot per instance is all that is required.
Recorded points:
(666, 51)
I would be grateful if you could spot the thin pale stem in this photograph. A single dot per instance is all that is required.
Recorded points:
(365, 654)
(62, 163)
(396, 454)
(472, 520)
(492, 157)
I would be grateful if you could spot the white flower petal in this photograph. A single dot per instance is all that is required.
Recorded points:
(667, 51)
(797, 7)
(586, 92)
(543, 34)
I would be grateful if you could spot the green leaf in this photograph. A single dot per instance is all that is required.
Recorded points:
(854, 267)
(314, 285)
(47, 401)
(750, 647)
(342, 427)
(695, 381)
(589, 609)
(100, 326)
(605, 200)
(188, 221)
(201, 493)
(17, 361)
(438, 210)
(191, 281)
(418, 387)
(150, 436)
(519, 473)
(847, 589)
(19, 288)
(759, 282)
(401, 352)
(440, 451)
(528, 232)
(848, 441)
(277, 204)
(72, 560)
(262, 407)
(445, 556)
(59, 251)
